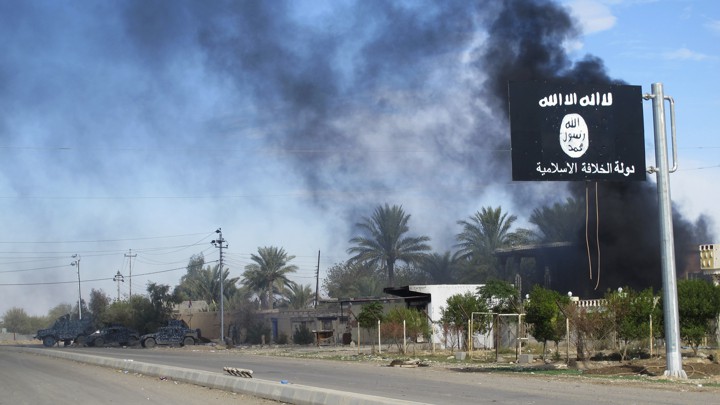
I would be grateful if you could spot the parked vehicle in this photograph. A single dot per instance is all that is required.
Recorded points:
(116, 334)
(176, 332)
(66, 330)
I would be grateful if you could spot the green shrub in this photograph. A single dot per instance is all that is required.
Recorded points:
(303, 336)
(256, 331)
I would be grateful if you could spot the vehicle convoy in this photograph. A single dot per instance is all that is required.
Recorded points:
(115, 334)
(177, 332)
(66, 330)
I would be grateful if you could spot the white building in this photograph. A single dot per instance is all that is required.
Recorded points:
(431, 299)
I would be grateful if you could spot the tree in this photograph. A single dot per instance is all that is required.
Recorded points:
(343, 280)
(137, 312)
(544, 315)
(383, 241)
(243, 307)
(99, 302)
(502, 296)
(268, 275)
(162, 302)
(366, 287)
(560, 222)
(205, 285)
(120, 312)
(458, 313)
(186, 290)
(16, 320)
(303, 335)
(486, 231)
(75, 314)
(630, 312)
(591, 326)
(441, 268)
(243, 297)
(354, 279)
(370, 314)
(698, 307)
(299, 296)
(59, 310)
(415, 322)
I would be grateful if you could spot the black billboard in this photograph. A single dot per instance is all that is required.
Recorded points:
(564, 131)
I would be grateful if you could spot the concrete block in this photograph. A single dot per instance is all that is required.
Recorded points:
(525, 358)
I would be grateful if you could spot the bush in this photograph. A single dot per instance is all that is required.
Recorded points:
(303, 336)
(282, 339)
(256, 331)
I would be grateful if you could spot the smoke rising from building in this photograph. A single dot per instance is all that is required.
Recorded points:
(194, 113)
(401, 102)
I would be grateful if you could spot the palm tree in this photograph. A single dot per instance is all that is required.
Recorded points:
(489, 229)
(384, 243)
(206, 284)
(243, 297)
(561, 222)
(299, 296)
(366, 287)
(442, 269)
(268, 275)
(486, 231)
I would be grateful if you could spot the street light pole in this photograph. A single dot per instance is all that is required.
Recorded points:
(76, 262)
(220, 243)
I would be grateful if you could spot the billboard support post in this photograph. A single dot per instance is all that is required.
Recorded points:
(667, 245)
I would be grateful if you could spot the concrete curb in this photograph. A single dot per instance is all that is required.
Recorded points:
(288, 393)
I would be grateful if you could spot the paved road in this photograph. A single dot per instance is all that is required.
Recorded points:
(429, 385)
(38, 380)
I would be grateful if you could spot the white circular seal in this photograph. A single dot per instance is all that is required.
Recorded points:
(574, 136)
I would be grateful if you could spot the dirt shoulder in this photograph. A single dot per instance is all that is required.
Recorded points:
(702, 372)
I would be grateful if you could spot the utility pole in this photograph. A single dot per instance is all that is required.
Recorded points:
(118, 278)
(220, 243)
(317, 282)
(76, 262)
(130, 256)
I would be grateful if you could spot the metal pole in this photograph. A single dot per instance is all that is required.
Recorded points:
(651, 337)
(567, 332)
(77, 263)
(317, 282)
(129, 255)
(670, 299)
(404, 339)
(379, 344)
(220, 244)
(118, 278)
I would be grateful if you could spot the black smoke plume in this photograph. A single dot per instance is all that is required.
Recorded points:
(406, 103)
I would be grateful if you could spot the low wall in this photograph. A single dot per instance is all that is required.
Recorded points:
(10, 337)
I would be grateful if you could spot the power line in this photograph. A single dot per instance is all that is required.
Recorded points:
(102, 240)
(90, 280)
(33, 269)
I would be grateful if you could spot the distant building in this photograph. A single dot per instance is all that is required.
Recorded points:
(334, 321)
(431, 299)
